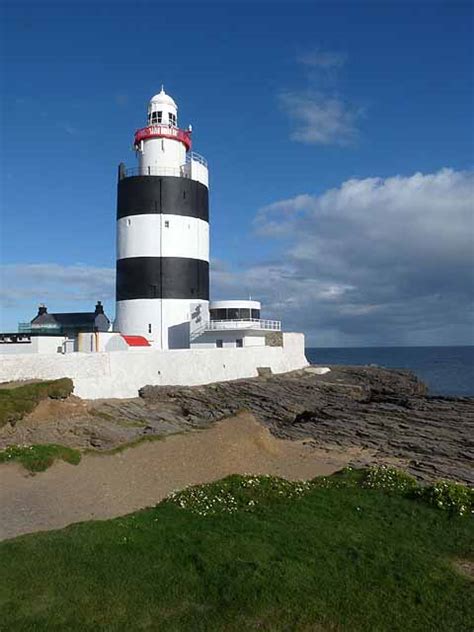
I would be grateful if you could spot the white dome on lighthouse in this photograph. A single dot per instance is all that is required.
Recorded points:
(162, 110)
(163, 99)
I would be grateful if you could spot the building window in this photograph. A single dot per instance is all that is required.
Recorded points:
(218, 314)
(256, 313)
(129, 222)
(172, 118)
(219, 344)
(239, 342)
(167, 224)
(149, 328)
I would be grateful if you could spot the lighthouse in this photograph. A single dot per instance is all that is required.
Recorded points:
(162, 277)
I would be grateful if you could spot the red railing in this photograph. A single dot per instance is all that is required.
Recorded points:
(163, 131)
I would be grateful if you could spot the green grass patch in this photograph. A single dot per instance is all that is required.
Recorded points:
(18, 401)
(37, 458)
(250, 553)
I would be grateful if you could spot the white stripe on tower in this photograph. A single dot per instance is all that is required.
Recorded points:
(162, 236)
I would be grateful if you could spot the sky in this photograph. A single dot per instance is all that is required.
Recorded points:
(339, 137)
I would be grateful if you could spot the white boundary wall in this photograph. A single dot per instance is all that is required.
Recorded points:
(121, 374)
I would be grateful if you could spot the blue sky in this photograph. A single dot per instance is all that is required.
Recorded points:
(315, 119)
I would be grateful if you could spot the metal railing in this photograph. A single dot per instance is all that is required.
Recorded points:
(178, 172)
(241, 323)
(195, 157)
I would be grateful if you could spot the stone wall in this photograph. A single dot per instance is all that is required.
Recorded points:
(121, 374)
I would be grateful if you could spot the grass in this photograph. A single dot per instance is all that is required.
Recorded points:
(340, 553)
(37, 458)
(40, 456)
(18, 401)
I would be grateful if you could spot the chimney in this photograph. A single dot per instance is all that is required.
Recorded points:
(99, 308)
(42, 309)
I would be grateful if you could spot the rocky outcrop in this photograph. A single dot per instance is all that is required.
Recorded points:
(385, 411)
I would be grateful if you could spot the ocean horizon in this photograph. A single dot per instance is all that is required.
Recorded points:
(446, 370)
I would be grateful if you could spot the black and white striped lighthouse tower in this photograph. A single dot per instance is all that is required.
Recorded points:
(162, 232)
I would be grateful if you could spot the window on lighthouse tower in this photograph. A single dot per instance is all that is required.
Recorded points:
(155, 117)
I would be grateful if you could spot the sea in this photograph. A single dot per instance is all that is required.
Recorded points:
(445, 370)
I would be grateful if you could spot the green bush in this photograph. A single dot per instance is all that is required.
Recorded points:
(237, 493)
(388, 479)
(17, 402)
(452, 497)
(247, 493)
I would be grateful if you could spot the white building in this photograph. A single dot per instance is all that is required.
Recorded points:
(233, 324)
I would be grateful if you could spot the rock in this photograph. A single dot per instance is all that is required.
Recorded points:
(317, 370)
(385, 410)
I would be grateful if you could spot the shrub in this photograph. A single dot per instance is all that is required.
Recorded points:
(247, 493)
(237, 493)
(452, 497)
(388, 479)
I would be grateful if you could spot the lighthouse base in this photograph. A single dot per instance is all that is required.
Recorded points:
(165, 323)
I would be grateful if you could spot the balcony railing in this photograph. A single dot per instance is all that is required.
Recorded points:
(195, 157)
(178, 172)
(163, 131)
(241, 323)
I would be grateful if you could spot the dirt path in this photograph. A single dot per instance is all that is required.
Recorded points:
(105, 486)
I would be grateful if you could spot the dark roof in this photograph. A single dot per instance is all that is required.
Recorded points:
(69, 319)
(75, 318)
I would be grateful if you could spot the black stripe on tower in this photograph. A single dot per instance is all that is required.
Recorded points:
(162, 277)
(140, 195)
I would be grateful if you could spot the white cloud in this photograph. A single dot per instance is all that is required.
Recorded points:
(318, 115)
(319, 119)
(374, 261)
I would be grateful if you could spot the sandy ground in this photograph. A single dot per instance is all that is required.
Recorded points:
(106, 486)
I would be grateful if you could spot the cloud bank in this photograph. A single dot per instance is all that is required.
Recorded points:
(61, 287)
(376, 261)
